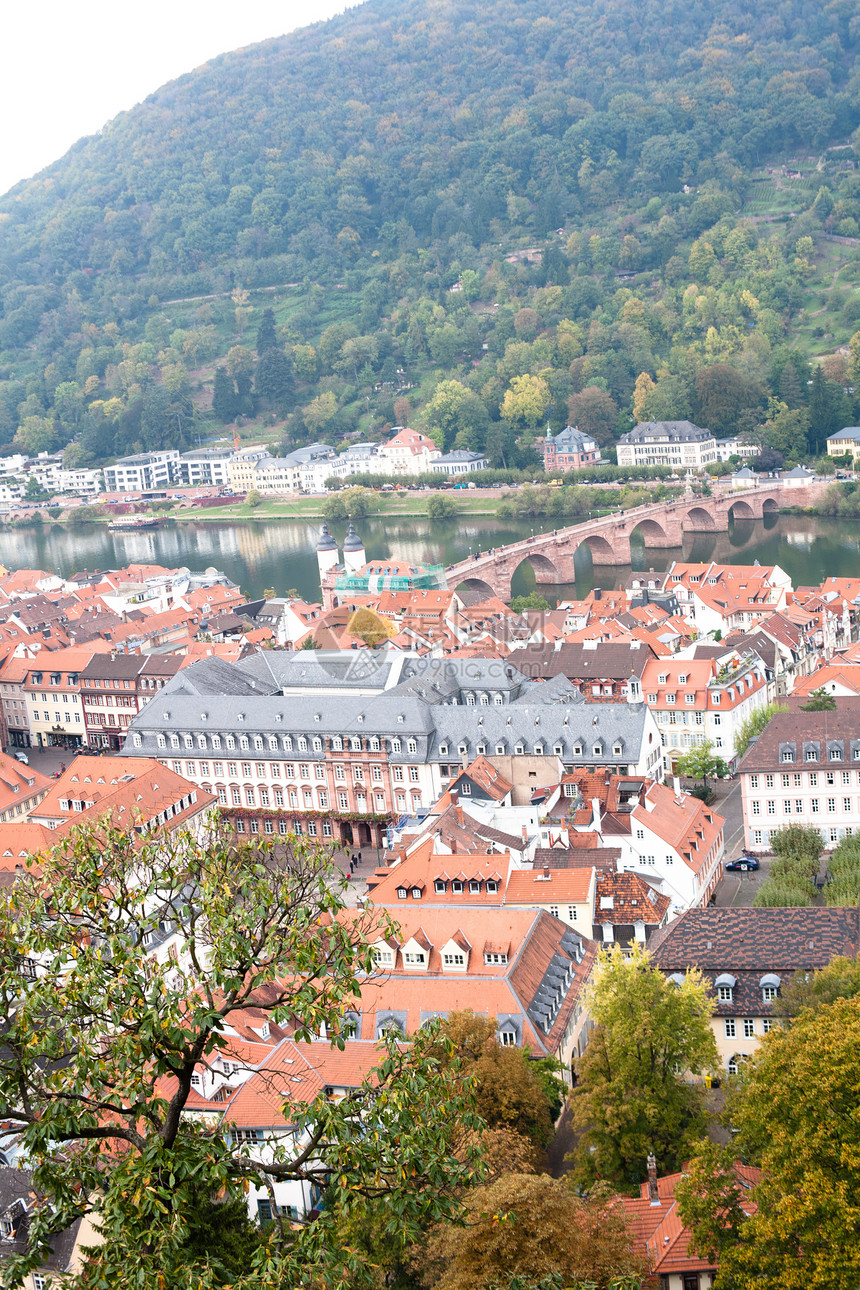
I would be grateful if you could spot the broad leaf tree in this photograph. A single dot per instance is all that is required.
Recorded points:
(101, 1044)
(794, 1113)
(635, 1093)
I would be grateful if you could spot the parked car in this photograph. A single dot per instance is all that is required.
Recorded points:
(743, 864)
(22, 756)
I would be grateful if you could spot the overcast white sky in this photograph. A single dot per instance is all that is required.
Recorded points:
(69, 66)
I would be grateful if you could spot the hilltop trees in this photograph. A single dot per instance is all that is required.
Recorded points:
(101, 1042)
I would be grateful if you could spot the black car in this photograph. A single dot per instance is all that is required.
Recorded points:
(743, 864)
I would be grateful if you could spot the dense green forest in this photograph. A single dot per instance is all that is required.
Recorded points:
(480, 219)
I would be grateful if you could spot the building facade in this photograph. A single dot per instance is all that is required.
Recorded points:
(803, 769)
(143, 473)
(678, 444)
(572, 449)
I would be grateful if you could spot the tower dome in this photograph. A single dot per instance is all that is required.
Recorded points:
(353, 550)
(326, 542)
(327, 556)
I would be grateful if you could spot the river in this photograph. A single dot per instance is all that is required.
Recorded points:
(280, 554)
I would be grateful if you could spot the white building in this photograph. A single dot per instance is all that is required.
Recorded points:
(703, 698)
(803, 769)
(144, 472)
(459, 462)
(678, 444)
(409, 453)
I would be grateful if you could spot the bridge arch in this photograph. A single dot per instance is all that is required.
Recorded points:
(602, 550)
(769, 506)
(545, 569)
(473, 590)
(699, 520)
(741, 510)
(652, 533)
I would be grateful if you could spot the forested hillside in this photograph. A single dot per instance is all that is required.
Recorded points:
(478, 218)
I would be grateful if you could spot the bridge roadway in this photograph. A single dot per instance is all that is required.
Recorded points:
(661, 525)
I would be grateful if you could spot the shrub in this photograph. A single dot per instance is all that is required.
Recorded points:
(780, 893)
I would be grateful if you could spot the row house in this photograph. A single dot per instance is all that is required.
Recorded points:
(16, 710)
(747, 956)
(53, 691)
(115, 687)
(698, 699)
(804, 769)
(600, 671)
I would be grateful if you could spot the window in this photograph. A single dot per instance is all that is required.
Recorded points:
(787, 756)
(814, 804)
(730, 1027)
(771, 808)
(749, 1027)
(732, 1066)
(831, 804)
(756, 808)
(507, 1038)
(766, 1026)
(439, 886)
(753, 781)
(846, 804)
(453, 960)
(810, 755)
(768, 993)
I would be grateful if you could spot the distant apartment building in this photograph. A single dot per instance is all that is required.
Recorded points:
(678, 444)
(572, 449)
(143, 473)
(205, 466)
(458, 462)
(845, 442)
(409, 453)
(242, 465)
(114, 688)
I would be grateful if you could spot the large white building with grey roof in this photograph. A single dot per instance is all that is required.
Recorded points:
(340, 744)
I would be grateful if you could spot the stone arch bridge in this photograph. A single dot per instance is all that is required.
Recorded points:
(660, 525)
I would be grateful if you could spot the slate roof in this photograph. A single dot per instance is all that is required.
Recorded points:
(750, 943)
(613, 660)
(824, 733)
(17, 1185)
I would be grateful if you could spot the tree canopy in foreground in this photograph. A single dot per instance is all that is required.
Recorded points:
(794, 1113)
(633, 1097)
(99, 1051)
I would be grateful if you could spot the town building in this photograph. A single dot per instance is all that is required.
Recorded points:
(601, 671)
(746, 957)
(678, 444)
(16, 710)
(658, 1233)
(66, 1256)
(458, 462)
(409, 453)
(728, 597)
(845, 442)
(114, 688)
(572, 449)
(697, 699)
(53, 690)
(804, 768)
(522, 967)
(313, 753)
(22, 787)
(145, 472)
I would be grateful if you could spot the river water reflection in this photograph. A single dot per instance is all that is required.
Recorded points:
(281, 554)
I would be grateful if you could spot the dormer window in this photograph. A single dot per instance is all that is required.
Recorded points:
(682, 679)
(670, 699)
(383, 956)
(474, 886)
(457, 887)
(811, 754)
(416, 893)
(662, 678)
(788, 755)
(402, 893)
(690, 699)
(415, 958)
(725, 993)
(492, 886)
(835, 754)
(440, 886)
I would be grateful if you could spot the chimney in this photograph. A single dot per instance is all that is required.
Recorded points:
(595, 814)
(676, 786)
(653, 1193)
(525, 835)
(454, 795)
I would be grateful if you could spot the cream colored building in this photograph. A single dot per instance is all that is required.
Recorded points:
(845, 441)
(747, 956)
